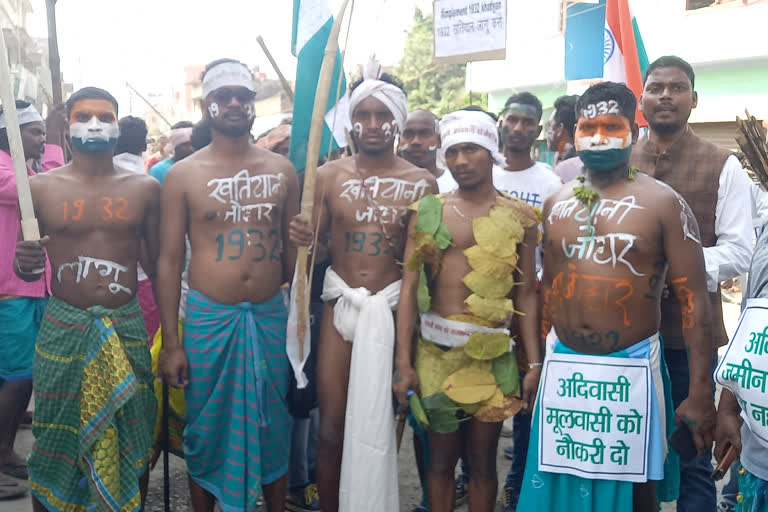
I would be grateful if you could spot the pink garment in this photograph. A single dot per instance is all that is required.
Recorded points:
(570, 169)
(53, 157)
(148, 308)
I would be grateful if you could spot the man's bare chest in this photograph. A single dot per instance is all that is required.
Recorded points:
(374, 200)
(88, 208)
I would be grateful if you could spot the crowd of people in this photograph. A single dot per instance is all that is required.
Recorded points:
(450, 269)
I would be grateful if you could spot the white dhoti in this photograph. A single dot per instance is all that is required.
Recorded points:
(369, 463)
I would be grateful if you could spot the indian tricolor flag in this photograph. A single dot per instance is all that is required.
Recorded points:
(625, 59)
(312, 21)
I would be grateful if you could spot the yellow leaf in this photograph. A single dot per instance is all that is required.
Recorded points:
(425, 251)
(526, 214)
(483, 261)
(470, 386)
(491, 412)
(433, 365)
(497, 237)
(493, 310)
(489, 286)
(487, 345)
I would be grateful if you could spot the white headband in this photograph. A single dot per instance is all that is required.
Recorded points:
(227, 74)
(391, 96)
(26, 115)
(470, 126)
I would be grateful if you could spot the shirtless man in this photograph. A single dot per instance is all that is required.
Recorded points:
(362, 202)
(419, 144)
(479, 226)
(94, 405)
(234, 200)
(608, 243)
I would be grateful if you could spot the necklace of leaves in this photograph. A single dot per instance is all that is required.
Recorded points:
(589, 196)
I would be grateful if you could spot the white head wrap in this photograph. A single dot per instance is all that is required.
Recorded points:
(227, 74)
(391, 96)
(471, 126)
(178, 137)
(26, 115)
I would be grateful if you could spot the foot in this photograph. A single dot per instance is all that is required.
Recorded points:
(14, 466)
(509, 452)
(303, 499)
(462, 489)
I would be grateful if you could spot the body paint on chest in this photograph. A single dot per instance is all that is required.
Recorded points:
(105, 268)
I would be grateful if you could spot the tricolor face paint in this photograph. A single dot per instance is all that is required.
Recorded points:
(213, 110)
(604, 142)
(93, 125)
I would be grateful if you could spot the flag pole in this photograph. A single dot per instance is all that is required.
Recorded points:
(29, 228)
(283, 81)
(313, 153)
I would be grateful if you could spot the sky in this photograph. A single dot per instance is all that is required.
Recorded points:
(148, 42)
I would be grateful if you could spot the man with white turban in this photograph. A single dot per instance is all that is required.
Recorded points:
(179, 147)
(469, 269)
(362, 204)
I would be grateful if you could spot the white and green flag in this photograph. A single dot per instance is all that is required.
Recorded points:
(312, 21)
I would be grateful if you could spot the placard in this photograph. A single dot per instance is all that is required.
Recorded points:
(594, 417)
(469, 30)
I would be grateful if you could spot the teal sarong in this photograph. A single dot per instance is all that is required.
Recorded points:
(238, 428)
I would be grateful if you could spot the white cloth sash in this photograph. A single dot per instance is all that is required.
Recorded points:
(452, 333)
(369, 463)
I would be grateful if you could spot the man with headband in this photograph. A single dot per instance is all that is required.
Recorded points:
(469, 269)
(94, 406)
(604, 412)
(234, 200)
(180, 146)
(21, 304)
(362, 203)
(420, 143)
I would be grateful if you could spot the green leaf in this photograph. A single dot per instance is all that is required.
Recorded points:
(418, 410)
(441, 412)
(422, 295)
(504, 368)
(430, 214)
(443, 236)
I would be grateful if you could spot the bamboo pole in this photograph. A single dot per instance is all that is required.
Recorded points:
(283, 81)
(313, 153)
(29, 228)
(54, 62)
(150, 105)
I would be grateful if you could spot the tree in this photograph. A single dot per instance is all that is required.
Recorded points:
(437, 88)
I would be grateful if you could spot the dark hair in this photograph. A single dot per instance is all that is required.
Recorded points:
(225, 60)
(671, 61)
(620, 93)
(525, 98)
(475, 108)
(385, 77)
(201, 135)
(183, 124)
(565, 112)
(4, 144)
(89, 92)
(133, 136)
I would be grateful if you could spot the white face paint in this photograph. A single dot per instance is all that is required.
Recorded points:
(599, 142)
(387, 128)
(213, 109)
(94, 130)
(600, 108)
(358, 129)
(249, 111)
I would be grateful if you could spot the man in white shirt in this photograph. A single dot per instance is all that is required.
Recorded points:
(420, 143)
(713, 183)
(532, 182)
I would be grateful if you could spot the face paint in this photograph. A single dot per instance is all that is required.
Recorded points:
(213, 109)
(358, 129)
(249, 111)
(603, 142)
(522, 110)
(93, 125)
(432, 149)
(403, 149)
(387, 130)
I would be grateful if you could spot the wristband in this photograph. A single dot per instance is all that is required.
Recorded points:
(531, 366)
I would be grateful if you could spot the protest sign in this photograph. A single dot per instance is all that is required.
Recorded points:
(594, 417)
(469, 30)
(744, 367)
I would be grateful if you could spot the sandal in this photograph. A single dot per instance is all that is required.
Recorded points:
(16, 470)
(11, 487)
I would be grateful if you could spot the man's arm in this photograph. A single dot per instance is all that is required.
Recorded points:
(731, 255)
(407, 314)
(526, 302)
(169, 264)
(301, 230)
(728, 431)
(290, 210)
(686, 275)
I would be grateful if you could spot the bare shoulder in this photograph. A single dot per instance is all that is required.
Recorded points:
(334, 169)
(418, 173)
(658, 193)
(272, 162)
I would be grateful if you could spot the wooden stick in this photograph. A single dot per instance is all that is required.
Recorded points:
(29, 228)
(166, 458)
(145, 100)
(286, 85)
(313, 153)
(54, 62)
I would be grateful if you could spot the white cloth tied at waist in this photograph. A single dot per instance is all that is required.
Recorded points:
(369, 462)
(452, 333)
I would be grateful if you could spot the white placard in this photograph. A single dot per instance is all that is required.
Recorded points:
(744, 367)
(470, 30)
(594, 417)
